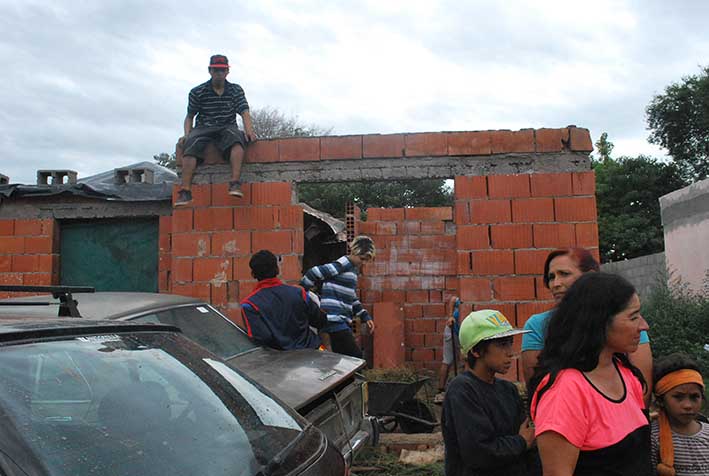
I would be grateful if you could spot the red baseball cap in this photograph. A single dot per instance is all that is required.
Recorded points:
(218, 61)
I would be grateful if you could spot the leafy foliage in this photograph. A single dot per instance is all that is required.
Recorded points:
(628, 190)
(604, 147)
(270, 123)
(679, 322)
(332, 197)
(679, 121)
(166, 160)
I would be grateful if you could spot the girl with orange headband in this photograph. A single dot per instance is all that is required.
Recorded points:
(680, 443)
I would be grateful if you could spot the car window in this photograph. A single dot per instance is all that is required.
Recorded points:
(206, 327)
(137, 404)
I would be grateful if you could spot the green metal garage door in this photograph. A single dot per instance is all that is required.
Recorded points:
(110, 255)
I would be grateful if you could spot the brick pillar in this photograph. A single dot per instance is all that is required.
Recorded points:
(213, 239)
(29, 252)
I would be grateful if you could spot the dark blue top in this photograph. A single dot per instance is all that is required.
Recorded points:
(278, 315)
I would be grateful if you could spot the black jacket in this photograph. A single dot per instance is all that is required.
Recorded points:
(480, 423)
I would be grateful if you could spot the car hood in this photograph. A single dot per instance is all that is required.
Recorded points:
(298, 377)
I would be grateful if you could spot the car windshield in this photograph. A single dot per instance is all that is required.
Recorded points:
(206, 327)
(142, 403)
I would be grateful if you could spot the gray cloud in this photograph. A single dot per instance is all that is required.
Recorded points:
(94, 86)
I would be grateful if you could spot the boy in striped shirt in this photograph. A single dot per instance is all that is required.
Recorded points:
(215, 104)
(338, 296)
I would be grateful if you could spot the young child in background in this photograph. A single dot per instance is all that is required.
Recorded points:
(680, 443)
(451, 345)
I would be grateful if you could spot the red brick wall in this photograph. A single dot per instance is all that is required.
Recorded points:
(28, 252)
(212, 240)
(434, 144)
(489, 249)
(505, 227)
(415, 268)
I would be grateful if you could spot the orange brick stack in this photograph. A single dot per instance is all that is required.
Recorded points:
(425, 144)
(28, 253)
(211, 241)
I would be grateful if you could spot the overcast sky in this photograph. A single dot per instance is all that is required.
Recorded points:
(90, 86)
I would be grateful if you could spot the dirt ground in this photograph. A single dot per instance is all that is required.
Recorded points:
(371, 461)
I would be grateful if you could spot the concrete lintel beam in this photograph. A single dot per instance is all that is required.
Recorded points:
(408, 168)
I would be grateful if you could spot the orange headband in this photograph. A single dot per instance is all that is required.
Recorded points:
(667, 451)
(678, 377)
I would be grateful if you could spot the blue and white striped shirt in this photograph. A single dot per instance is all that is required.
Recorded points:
(338, 297)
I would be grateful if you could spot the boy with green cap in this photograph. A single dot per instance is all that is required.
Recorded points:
(483, 421)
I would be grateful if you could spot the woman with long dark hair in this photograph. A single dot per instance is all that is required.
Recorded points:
(587, 402)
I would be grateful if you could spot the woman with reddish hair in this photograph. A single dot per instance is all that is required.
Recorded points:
(561, 269)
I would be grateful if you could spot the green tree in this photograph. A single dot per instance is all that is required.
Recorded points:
(332, 197)
(166, 160)
(627, 195)
(679, 121)
(679, 321)
(604, 147)
(270, 123)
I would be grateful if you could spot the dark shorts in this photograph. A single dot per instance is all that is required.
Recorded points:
(343, 342)
(224, 137)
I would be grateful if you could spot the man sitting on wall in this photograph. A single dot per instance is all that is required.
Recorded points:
(278, 315)
(215, 104)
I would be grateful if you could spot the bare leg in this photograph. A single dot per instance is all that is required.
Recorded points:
(443, 376)
(189, 163)
(236, 157)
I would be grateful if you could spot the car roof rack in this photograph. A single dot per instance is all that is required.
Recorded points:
(67, 304)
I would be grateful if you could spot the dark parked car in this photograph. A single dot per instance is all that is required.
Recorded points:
(80, 397)
(324, 387)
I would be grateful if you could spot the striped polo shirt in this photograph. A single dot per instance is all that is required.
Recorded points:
(338, 297)
(213, 110)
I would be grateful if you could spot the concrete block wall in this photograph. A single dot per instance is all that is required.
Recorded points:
(212, 240)
(645, 272)
(685, 220)
(29, 252)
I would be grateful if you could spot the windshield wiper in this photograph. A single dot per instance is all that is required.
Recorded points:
(281, 456)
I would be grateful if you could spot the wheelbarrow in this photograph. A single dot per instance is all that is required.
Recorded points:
(395, 403)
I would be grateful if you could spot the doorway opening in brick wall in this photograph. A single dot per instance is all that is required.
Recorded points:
(327, 225)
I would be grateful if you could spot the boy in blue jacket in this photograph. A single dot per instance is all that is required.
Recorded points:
(276, 314)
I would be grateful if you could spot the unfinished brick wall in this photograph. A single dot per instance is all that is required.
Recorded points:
(489, 250)
(28, 253)
(505, 227)
(415, 269)
(212, 239)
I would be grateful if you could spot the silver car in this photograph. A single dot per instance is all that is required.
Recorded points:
(324, 387)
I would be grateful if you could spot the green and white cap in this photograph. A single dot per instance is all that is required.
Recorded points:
(483, 325)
